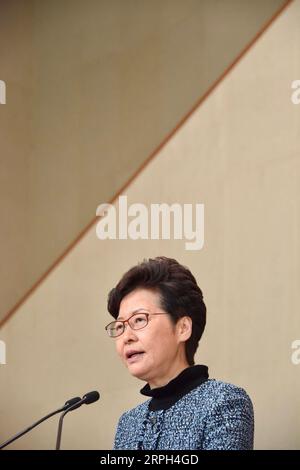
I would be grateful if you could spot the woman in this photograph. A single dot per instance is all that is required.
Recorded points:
(159, 319)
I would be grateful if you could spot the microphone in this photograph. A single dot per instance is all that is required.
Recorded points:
(88, 398)
(91, 397)
(71, 403)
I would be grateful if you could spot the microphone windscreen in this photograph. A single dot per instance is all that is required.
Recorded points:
(72, 402)
(91, 397)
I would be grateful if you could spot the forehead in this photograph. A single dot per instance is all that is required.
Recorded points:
(139, 299)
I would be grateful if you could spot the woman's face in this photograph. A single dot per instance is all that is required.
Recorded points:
(160, 344)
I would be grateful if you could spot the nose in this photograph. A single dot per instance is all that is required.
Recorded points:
(129, 334)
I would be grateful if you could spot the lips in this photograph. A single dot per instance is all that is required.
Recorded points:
(133, 355)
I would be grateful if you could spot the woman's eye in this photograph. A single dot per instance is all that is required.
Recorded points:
(140, 319)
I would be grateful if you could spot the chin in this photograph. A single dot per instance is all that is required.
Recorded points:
(138, 372)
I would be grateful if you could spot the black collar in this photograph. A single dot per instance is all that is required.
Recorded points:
(166, 396)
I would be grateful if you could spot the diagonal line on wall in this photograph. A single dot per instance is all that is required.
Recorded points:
(149, 159)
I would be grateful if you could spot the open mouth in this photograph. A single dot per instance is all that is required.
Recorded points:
(133, 356)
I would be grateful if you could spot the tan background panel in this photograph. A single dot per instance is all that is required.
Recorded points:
(93, 87)
(239, 155)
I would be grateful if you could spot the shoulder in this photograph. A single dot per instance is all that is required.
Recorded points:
(128, 427)
(229, 417)
(220, 391)
(134, 414)
(216, 393)
(216, 399)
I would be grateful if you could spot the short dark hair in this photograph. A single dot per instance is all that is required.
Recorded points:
(179, 292)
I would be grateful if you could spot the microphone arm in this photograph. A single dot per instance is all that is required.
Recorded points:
(72, 403)
(90, 397)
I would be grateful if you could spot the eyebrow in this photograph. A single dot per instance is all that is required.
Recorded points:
(134, 311)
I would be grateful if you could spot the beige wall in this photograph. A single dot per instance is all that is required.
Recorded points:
(93, 87)
(16, 136)
(239, 155)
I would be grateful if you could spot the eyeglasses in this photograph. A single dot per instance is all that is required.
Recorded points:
(137, 321)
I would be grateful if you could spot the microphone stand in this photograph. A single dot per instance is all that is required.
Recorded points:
(88, 398)
(70, 405)
(25, 431)
(60, 424)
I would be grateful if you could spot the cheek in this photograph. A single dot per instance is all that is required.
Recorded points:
(118, 347)
(160, 345)
(167, 344)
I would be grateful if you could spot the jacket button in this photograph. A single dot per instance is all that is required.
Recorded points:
(153, 420)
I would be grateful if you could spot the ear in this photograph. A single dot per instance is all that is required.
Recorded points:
(185, 325)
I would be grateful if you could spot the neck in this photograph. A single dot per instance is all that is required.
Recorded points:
(169, 375)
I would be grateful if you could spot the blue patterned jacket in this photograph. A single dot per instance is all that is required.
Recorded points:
(189, 413)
